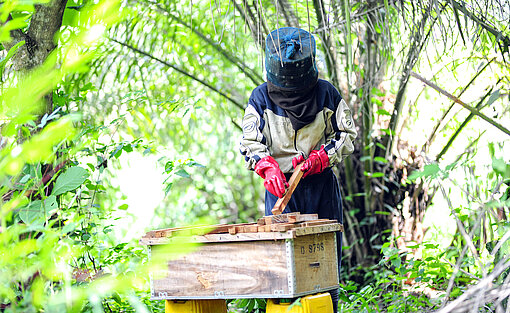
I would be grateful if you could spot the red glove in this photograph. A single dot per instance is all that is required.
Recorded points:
(317, 162)
(274, 180)
(297, 160)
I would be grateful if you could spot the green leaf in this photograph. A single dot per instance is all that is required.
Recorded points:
(9, 55)
(168, 187)
(494, 96)
(128, 148)
(388, 131)
(428, 171)
(15, 23)
(380, 159)
(24, 179)
(396, 262)
(377, 102)
(382, 112)
(68, 228)
(182, 173)
(169, 166)
(71, 179)
(117, 298)
(380, 145)
(377, 92)
(491, 149)
(501, 167)
(457, 19)
(123, 206)
(36, 211)
(147, 151)
(450, 166)
(71, 18)
(117, 152)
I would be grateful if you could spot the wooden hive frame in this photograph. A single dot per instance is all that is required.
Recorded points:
(283, 256)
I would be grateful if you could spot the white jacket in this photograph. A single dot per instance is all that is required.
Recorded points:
(268, 131)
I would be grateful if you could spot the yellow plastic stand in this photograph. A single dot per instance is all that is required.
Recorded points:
(319, 303)
(196, 306)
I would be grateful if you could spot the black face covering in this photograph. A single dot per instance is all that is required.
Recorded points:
(300, 105)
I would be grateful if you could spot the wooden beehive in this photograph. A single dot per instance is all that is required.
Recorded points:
(283, 256)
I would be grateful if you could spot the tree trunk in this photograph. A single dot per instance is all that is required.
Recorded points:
(39, 41)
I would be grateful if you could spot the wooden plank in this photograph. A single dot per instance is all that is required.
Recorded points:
(222, 228)
(243, 237)
(282, 226)
(283, 218)
(268, 220)
(248, 228)
(208, 238)
(302, 231)
(219, 269)
(252, 228)
(307, 217)
(315, 262)
(267, 234)
(191, 230)
(264, 228)
(294, 217)
(317, 222)
(165, 232)
(293, 182)
(234, 229)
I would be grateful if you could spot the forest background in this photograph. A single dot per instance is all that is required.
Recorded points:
(119, 117)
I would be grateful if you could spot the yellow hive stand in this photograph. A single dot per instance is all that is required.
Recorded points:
(319, 303)
(196, 306)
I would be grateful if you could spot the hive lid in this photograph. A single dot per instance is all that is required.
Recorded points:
(275, 227)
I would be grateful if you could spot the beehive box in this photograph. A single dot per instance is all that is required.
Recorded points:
(270, 259)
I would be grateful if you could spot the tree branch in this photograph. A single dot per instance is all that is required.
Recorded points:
(352, 18)
(286, 9)
(248, 22)
(253, 76)
(505, 40)
(417, 42)
(436, 127)
(183, 72)
(466, 106)
(479, 106)
(327, 47)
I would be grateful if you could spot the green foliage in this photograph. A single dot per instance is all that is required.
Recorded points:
(422, 276)
(178, 91)
(9, 56)
(247, 305)
(69, 180)
(176, 169)
(57, 253)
